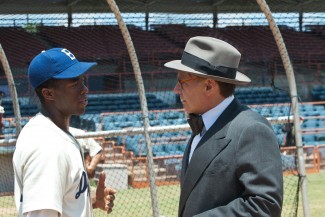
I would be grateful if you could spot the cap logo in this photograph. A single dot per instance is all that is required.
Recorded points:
(68, 53)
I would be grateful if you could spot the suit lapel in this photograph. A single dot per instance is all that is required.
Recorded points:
(211, 144)
(200, 160)
(185, 158)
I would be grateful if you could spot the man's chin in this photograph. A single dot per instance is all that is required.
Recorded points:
(80, 112)
(186, 109)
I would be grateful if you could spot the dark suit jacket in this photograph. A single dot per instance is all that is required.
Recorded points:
(235, 169)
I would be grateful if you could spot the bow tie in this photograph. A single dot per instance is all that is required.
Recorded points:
(196, 123)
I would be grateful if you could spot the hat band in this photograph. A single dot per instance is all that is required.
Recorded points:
(205, 67)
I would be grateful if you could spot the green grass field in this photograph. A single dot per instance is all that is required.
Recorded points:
(137, 202)
(316, 195)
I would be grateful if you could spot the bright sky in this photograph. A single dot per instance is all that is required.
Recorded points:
(138, 19)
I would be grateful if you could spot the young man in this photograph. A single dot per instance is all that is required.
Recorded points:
(232, 164)
(50, 176)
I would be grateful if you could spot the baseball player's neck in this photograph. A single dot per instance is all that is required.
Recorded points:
(58, 119)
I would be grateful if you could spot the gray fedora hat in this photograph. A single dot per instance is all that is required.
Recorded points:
(211, 58)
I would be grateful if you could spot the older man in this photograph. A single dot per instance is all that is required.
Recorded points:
(232, 164)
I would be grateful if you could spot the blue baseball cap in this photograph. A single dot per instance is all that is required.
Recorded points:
(57, 63)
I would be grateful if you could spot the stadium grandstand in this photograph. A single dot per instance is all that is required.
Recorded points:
(159, 31)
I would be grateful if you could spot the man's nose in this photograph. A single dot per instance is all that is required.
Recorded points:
(177, 88)
(85, 89)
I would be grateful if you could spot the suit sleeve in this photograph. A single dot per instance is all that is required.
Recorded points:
(259, 171)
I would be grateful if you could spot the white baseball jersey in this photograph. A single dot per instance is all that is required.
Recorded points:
(49, 171)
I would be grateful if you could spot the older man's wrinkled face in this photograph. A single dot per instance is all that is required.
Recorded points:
(191, 90)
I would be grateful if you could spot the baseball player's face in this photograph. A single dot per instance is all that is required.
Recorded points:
(71, 96)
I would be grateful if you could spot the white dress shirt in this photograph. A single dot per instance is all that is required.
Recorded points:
(208, 119)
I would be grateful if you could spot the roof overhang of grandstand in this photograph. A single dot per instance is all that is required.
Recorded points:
(150, 6)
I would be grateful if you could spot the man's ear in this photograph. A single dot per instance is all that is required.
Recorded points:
(48, 93)
(209, 84)
(211, 87)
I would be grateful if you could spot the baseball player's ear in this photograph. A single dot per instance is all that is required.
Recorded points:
(47, 93)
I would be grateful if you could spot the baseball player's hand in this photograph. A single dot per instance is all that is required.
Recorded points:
(105, 197)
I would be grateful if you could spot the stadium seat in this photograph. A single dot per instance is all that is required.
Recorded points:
(158, 150)
(139, 150)
(308, 139)
(280, 138)
(182, 147)
(173, 149)
(320, 138)
(310, 123)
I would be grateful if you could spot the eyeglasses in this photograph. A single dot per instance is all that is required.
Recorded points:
(181, 82)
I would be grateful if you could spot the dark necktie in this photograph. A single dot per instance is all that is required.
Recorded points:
(196, 123)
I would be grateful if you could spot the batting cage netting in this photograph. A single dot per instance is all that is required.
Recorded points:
(116, 113)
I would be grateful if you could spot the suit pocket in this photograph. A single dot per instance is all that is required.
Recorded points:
(216, 168)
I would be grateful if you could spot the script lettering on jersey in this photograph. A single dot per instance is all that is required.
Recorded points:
(83, 185)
